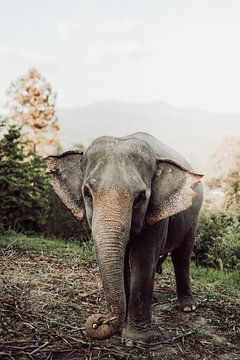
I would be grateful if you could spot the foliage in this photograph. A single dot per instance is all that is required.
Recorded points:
(225, 165)
(218, 240)
(23, 184)
(79, 146)
(28, 202)
(32, 105)
(61, 224)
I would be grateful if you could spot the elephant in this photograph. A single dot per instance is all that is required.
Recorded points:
(141, 199)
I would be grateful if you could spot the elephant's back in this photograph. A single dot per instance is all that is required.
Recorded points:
(162, 151)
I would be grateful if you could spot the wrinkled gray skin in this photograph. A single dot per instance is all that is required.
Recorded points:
(138, 198)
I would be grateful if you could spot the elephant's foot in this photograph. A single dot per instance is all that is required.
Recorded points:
(186, 304)
(132, 337)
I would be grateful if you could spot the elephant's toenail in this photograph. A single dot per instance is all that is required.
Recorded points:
(129, 343)
(194, 307)
(187, 309)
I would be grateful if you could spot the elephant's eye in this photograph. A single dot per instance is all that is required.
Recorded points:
(87, 193)
(140, 198)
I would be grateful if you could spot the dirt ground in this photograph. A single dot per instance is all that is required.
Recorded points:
(44, 301)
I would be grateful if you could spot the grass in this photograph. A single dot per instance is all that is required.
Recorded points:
(217, 278)
(213, 279)
(39, 244)
(49, 287)
(230, 280)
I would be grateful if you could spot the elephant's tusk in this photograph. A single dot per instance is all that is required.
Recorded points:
(101, 321)
(109, 320)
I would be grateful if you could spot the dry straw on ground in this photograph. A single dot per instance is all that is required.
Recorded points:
(44, 300)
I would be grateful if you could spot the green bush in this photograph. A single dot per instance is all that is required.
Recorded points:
(60, 223)
(23, 185)
(218, 240)
(28, 202)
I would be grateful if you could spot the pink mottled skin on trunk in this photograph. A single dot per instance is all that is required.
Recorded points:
(110, 229)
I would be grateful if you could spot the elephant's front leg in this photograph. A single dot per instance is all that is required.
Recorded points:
(142, 268)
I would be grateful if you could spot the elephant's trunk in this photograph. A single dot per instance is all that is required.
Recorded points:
(110, 229)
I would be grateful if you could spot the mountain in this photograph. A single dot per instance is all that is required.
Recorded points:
(194, 133)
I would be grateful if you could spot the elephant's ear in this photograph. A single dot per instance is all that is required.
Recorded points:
(67, 177)
(172, 191)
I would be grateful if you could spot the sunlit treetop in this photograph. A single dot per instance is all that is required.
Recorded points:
(225, 166)
(31, 103)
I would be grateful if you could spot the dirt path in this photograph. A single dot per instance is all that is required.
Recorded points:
(44, 301)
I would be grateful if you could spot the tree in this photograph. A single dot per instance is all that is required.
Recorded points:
(225, 165)
(31, 103)
(23, 184)
(79, 146)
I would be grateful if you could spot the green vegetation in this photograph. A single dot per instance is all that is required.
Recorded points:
(214, 278)
(60, 223)
(28, 202)
(23, 185)
(230, 280)
(218, 240)
(41, 245)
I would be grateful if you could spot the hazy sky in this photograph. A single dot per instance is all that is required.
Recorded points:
(186, 53)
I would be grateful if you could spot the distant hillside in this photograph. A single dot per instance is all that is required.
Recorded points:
(195, 133)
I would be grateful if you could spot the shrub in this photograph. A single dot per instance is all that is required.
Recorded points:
(23, 185)
(61, 224)
(218, 240)
(28, 202)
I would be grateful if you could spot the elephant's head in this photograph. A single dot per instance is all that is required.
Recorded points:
(121, 187)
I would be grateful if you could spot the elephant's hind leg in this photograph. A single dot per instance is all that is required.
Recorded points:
(181, 258)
